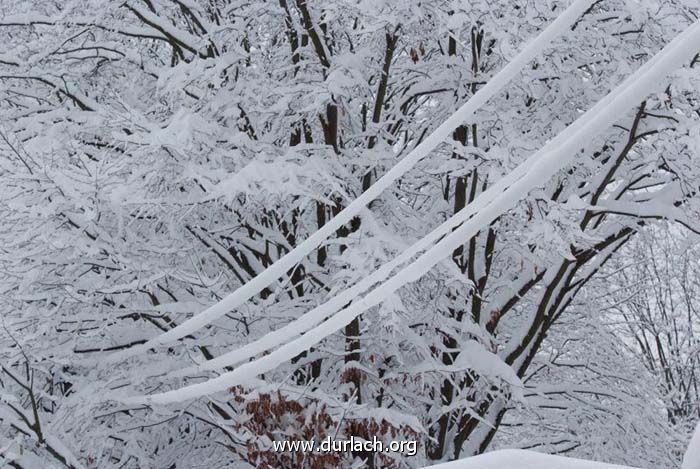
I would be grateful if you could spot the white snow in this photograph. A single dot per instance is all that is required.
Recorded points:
(691, 460)
(184, 38)
(277, 270)
(540, 167)
(520, 459)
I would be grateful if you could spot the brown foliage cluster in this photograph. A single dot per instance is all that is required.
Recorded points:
(269, 417)
(275, 417)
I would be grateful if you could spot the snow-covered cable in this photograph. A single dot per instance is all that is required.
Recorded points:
(319, 313)
(542, 165)
(296, 255)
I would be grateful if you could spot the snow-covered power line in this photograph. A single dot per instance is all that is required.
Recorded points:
(534, 48)
(540, 167)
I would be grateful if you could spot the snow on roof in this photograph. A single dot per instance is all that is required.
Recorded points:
(692, 455)
(520, 459)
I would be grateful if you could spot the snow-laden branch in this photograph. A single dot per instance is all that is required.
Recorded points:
(279, 268)
(36, 19)
(538, 169)
(181, 38)
(53, 445)
(649, 209)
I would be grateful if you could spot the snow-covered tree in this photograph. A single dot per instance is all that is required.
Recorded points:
(158, 154)
(657, 310)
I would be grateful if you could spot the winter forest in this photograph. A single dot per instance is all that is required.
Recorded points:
(469, 224)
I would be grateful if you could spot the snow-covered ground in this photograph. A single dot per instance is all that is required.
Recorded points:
(520, 459)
